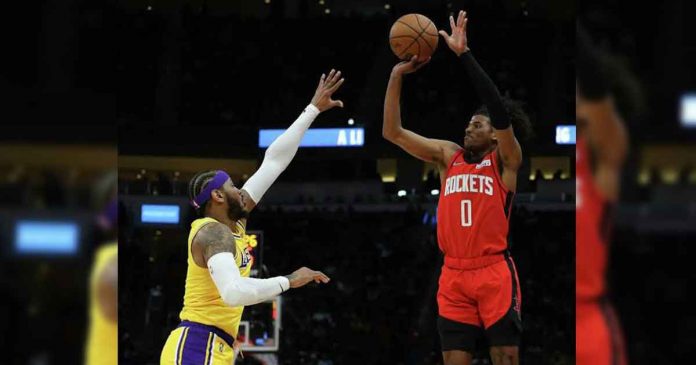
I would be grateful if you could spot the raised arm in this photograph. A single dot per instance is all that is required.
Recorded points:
(426, 149)
(508, 147)
(283, 149)
(217, 244)
(607, 136)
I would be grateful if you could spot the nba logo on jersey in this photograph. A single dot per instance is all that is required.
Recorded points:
(484, 163)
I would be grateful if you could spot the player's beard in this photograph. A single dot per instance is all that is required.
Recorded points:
(472, 146)
(235, 211)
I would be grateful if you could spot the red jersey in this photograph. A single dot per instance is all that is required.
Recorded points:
(591, 229)
(473, 211)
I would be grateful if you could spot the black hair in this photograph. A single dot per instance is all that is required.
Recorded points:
(197, 184)
(624, 87)
(614, 68)
(518, 118)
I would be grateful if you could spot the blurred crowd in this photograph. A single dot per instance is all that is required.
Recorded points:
(45, 294)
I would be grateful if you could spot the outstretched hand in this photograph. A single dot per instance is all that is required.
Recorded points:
(327, 86)
(457, 41)
(407, 67)
(304, 276)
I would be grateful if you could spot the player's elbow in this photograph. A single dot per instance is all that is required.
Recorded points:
(273, 165)
(235, 297)
(387, 134)
(390, 134)
(232, 299)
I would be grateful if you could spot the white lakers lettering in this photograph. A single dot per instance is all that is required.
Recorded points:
(469, 183)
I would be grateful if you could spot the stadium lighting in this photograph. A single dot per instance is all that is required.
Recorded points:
(434, 192)
(319, 137)
(688, 110)
(565, 134)
(351, 121)
(401, 193)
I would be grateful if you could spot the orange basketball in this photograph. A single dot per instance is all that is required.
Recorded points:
(413, 34)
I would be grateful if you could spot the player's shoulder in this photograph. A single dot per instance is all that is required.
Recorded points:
(450, 152)
(213, 232)
(451, 146)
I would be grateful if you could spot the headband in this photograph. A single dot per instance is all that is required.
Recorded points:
(216, 183)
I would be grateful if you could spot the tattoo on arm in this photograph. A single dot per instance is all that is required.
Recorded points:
(215, 238)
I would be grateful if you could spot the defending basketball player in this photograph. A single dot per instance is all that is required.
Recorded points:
(602, 146)
(217, 281)
(102, 336)
(478, 287)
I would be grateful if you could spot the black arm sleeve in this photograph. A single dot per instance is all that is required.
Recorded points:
(486, 90)
(592, 80)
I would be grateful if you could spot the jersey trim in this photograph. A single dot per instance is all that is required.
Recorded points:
(496, 167)
(508, 203)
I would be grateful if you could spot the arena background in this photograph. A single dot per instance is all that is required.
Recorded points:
(199, 79)
(650, 271)
(66, 59)
(57, 141)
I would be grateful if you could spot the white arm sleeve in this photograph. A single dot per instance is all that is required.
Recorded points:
(236, 290)
(279, 154)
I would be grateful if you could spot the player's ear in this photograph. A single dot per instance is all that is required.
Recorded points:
(217, 195)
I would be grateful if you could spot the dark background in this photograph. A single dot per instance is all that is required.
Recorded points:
(654, 235)
(198, 79)
(57, 96)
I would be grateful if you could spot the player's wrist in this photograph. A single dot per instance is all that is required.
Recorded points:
(461, 53)
(312, 108)
(284, 283)
(289, 278)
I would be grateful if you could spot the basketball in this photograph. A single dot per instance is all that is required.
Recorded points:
(413, 34)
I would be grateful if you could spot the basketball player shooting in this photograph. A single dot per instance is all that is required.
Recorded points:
(219, 261)
(601, 149)
(478, 286)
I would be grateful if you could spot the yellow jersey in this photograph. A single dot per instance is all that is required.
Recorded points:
(202, 301)
(102, 340)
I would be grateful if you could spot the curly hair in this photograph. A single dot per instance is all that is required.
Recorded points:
(518, 118)
(625, 87)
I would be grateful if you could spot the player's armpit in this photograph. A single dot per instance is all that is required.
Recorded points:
(509, 148)
(214, 238)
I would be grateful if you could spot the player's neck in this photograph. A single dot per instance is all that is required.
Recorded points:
(476, 156)
(222, 217)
